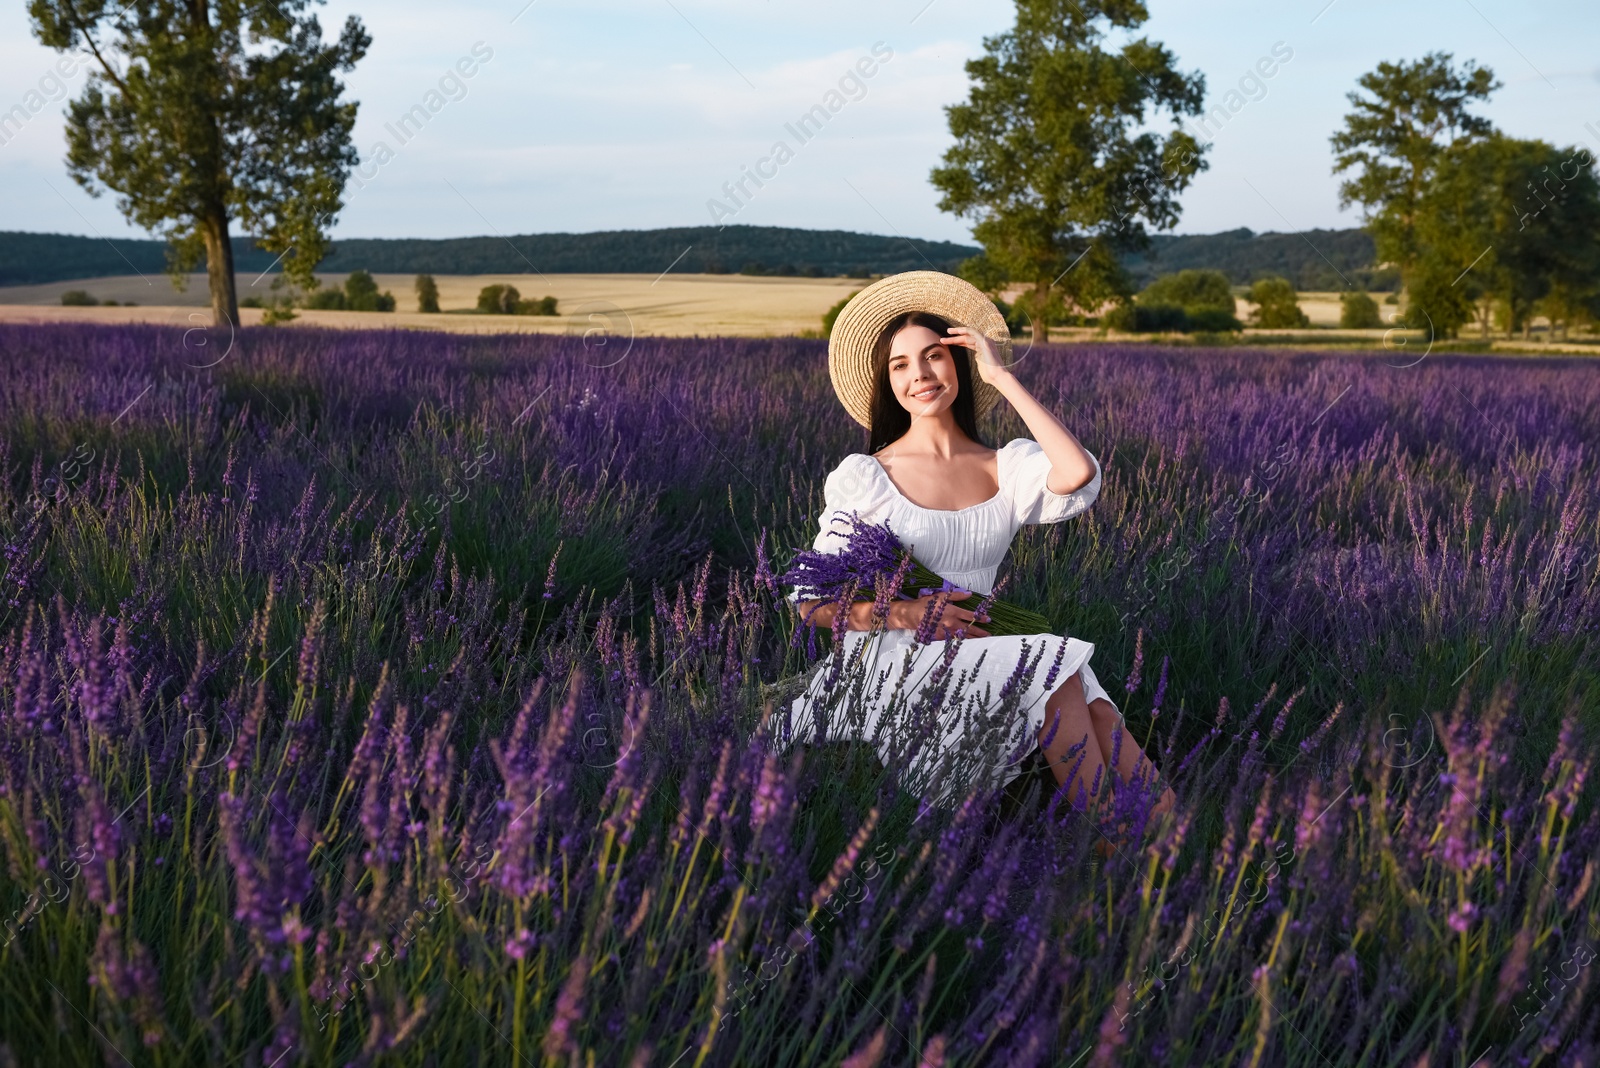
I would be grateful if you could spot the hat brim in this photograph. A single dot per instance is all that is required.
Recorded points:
(857, 328)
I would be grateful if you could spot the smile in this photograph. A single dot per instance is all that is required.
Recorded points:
(927, 394)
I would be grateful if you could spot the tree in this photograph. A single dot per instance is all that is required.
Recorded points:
(329, 299)
(1358, 311)
(194, 131)
(1276, 306)
(1141, 318)
(1187, 301)
(1547, 250)
(427, 293)
(1047, 159)
(1491, 250)
(985, 274)
(499, 299)
(361, 293)
(1192, 290)
(1397, 136)
(542, 306)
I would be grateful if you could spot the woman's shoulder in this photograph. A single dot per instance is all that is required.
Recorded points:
(856, 479)
(1007, 457)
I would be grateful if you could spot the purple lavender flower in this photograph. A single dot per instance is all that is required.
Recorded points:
(559, 1041)
(550, 573)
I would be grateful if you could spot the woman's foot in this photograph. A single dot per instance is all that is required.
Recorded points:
(1121, 836)
(1168, 801)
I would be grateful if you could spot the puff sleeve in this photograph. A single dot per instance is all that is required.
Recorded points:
(850, 487)
(1031, 500)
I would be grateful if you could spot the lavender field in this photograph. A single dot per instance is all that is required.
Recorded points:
(400, 698)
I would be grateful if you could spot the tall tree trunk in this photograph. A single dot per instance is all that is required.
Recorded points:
(1041, 297)
(219, 267)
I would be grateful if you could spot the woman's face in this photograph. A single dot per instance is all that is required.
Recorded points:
(922, 373)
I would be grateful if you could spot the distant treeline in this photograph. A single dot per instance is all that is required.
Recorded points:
(28, 258)
(1326, 260)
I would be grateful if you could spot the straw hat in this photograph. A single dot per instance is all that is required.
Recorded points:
(869, 311)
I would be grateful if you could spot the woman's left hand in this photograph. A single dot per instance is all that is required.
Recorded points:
(987, 360)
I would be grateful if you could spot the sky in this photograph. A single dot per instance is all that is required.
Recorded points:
(583, 115)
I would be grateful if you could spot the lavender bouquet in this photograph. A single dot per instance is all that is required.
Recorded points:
(876, 566)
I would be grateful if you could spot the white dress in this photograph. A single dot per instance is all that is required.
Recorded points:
(965, 546)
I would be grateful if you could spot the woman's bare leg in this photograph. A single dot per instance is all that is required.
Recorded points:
(1131, 758)
(1067, 707)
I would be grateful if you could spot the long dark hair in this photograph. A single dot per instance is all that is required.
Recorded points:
(890, 420)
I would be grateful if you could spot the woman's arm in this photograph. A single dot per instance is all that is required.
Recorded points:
(903, 615)
(1070, 466)
(860, 615)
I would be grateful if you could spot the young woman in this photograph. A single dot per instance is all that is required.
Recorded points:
(902, 364)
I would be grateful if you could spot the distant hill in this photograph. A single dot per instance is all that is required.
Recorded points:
(27, 258)
(1313, 260)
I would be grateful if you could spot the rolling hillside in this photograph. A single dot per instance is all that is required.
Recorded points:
(1314, 260)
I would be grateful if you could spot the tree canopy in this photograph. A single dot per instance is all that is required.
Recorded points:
(1490, 250)
(1358, 311)
(1394, 139)
(427, 293)
(1192, 290)
(1051, 157)
(1483, 226)
(1276, 305)
(195, 131)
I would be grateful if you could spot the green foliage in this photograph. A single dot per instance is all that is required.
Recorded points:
(1053, 154)
(1311, 259)
(543, 306)
(1213, 321)
(78, 298)
(1358, 311)
(325, 300)
(278, 311)
(498, 299)
(506, 300)
(1490, 251)
(831, 316)
(1276, 306)
(1017, 320)
(1187, 301)
(1394, 139)
(360, 291)
(1141, 318)
(224, 113)
(985, 274)
(1191, 290)
(427, 293)
(361, 294)
(1546, 232)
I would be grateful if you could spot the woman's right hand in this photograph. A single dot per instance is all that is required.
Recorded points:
(908, 615)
